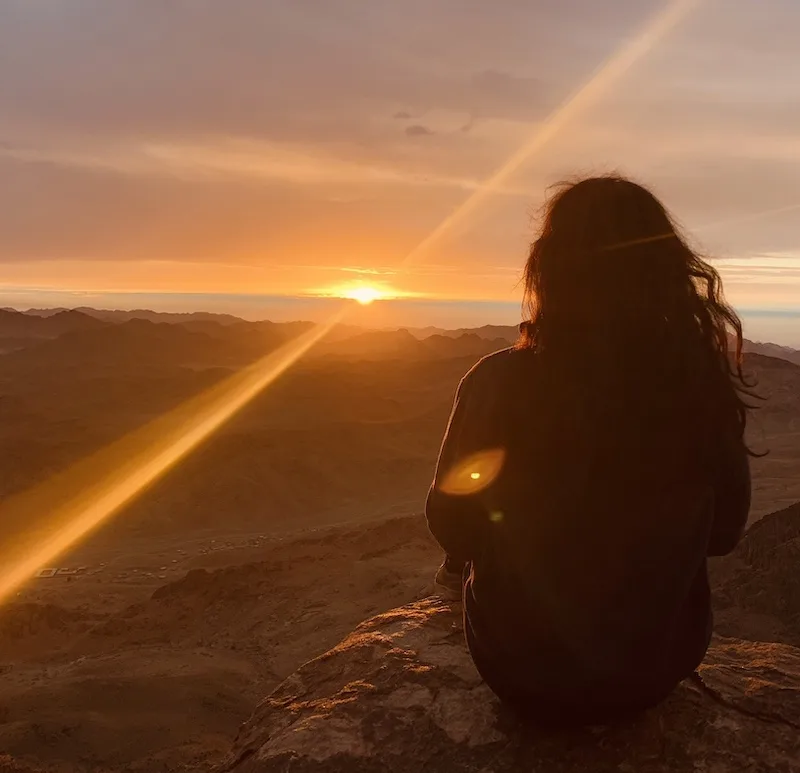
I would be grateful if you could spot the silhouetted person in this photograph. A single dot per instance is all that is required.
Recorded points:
(621, 417)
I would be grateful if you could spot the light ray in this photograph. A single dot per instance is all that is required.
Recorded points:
(749, 218)
(74, 503)
(603, 79)
(714, 225)
(144, 456)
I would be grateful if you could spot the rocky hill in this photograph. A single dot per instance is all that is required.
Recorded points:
(401, 694)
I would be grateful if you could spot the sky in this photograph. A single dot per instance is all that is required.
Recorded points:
(233, 155)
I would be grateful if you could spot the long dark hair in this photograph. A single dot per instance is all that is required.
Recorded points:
(611, 272)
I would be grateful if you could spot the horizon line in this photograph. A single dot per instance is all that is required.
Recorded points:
(324, 299)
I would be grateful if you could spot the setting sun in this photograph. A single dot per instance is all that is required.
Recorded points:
(364, 295)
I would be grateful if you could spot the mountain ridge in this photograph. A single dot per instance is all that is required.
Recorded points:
(21, 330)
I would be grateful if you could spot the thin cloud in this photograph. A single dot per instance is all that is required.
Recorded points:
(237, 159)
(370, 271)
(234, 159)
(418, 130)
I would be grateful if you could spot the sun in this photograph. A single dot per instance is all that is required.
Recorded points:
(364, 294)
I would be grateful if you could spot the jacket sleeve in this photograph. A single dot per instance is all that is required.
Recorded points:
(732, 494)
(459, 522)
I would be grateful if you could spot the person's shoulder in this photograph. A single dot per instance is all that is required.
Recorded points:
(499, 366)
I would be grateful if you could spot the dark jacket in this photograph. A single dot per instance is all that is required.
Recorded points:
(587, 593)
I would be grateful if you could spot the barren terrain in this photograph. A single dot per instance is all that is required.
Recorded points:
(299, 519)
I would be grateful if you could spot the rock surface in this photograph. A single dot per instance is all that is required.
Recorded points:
(400, 694)
(756, 588)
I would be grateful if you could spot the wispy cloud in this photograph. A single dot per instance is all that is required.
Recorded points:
(237, 159)
(419, 130)
(369, 271)
(780, 267)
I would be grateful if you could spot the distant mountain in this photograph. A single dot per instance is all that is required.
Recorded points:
(77, 336)
(123, 315)
(508, 333)
(286, 330)
(118, 315)
(773, 350)
(402, 344)
(41, 312)
(375, 344)
(207, 322)
(139, 342)
(468, 344)
(20, 328)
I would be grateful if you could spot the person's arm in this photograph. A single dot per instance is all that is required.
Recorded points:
(458, 521)
(732, 493)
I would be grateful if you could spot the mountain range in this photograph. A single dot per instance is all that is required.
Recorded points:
(237, 340)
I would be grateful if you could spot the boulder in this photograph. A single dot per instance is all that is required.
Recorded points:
(400, 694)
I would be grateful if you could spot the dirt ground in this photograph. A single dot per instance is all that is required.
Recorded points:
(150, 659)
(145, 647)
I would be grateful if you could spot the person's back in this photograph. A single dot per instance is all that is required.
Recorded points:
(622, 466)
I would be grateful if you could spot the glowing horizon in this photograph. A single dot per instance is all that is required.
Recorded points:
(368, 152)
(363, 292)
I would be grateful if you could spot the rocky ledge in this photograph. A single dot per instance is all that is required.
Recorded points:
(400, 694)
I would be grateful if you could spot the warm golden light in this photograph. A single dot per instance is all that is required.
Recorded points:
(361, 293)
(364, 295)
(473, 474)
(70, 505)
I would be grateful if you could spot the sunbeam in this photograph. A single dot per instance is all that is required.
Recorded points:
(603, 79)
(80, 499)
(712, 226)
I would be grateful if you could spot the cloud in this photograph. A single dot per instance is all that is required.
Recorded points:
(418, 130)
(231, 159)
(402, 115)
(370, 271)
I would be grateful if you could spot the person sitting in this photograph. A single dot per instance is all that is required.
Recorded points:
(587, 472)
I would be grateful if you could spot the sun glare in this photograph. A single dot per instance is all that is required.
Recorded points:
(364, 295)
(361, 293)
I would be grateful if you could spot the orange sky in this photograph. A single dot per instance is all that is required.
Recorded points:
(265, 148)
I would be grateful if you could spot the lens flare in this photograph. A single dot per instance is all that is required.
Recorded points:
(474, 474)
